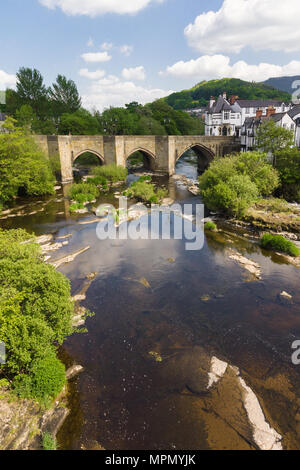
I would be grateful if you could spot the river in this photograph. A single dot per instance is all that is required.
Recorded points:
(160, 312)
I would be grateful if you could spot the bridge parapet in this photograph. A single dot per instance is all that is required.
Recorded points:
(162, 151)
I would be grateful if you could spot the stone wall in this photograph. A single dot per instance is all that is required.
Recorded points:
(162, 151)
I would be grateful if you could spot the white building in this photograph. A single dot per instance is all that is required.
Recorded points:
(251, 125)
(294, 113)
(227, 116)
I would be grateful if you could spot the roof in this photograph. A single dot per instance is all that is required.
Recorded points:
(294, 111)
(221, 105)
(258, 103)
(256, 121)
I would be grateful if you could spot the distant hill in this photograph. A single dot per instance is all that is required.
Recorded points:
(200, 94)
(283, 83)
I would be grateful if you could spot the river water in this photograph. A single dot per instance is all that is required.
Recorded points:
(160, 311)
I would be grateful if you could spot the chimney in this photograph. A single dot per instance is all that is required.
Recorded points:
(233, 99)
(259, 113)
(212, 101)
(224, 95)
(270, 111)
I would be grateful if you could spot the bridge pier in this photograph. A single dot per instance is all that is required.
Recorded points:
(162, 151)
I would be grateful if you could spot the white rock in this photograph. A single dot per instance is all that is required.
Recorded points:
(217, 370)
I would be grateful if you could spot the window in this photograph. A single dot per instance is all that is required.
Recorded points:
(247, 110)
(226, 115)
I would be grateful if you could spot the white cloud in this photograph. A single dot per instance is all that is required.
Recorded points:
(111, 91)
(218, 66)
(126, 50)
(137, 73)
(96, 57)
(107, 46)
(6, 80)
(98, 7)
(260, 24)
(97, 75)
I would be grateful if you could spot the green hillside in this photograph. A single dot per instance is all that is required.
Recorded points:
(199, 95)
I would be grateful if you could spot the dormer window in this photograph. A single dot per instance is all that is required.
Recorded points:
(226, 115)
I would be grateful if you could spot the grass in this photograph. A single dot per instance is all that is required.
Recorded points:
(273, 205)
(48, 442)
(210, 226)
(279, 243)
(112, 173)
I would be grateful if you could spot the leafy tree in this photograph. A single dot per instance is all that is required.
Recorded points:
(65, 96)
(35, 305)
(26, 117)
(232, 184)
(288, 167)
(31, 90)
(22, 164)
(81, 122)
(272, 138)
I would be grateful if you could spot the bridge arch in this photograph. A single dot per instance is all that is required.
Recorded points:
(94, 152)
(148, 157)
(204, 154)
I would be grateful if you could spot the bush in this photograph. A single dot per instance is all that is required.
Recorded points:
(48, 442)
(145, 191)
(23, 165)
(112, 173)
(83, 192)
(76, 206)
(99, 181)
(210, 226)
(44, 382)
(48, 377)
(288, 166)
(232, 184)
(36, 310)
(279, 243)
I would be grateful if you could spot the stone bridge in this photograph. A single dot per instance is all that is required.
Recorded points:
(160, 152)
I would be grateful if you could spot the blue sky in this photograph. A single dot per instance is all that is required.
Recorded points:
(169, 44)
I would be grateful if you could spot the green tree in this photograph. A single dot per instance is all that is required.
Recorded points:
(31, 90)
(82, 122)
(35, 304)
(272, 138)
(288, 166)
(22, 164)
(232, 184)
(64, 95)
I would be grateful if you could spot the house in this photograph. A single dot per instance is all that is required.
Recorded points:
(294, 113)
(251, 125)
(227, 116)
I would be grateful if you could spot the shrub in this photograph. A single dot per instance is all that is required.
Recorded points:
(35, 305)
(44, 382)
(145, 191)
(112, 173)
(288, 166)
(76, 206)
(48, 442)
(24, 166)
(232, 184)
(210, 226)
(48, 377)
(99, 181)
(279, 243)
(83, 192)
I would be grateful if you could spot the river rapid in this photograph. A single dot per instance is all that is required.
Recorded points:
(161, 314)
